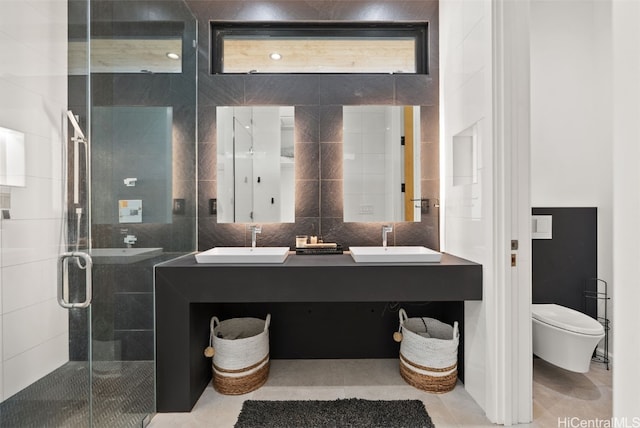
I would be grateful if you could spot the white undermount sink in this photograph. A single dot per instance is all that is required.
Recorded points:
(243, 255)
(401, 254)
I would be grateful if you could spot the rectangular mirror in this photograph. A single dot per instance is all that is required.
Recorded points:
(381, 168)
(255, 164)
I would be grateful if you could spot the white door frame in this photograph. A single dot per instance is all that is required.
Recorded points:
(509, 322)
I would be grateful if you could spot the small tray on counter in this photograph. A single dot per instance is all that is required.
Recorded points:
(320, 248)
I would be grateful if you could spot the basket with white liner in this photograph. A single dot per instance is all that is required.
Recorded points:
(240, 351)
(428, 353)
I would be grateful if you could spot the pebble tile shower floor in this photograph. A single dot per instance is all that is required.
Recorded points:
(122, 396)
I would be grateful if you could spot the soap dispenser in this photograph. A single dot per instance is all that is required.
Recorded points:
(313, 238)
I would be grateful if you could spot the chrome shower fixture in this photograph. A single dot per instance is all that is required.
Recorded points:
(76, 126)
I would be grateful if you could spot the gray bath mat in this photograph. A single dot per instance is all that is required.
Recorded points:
(351, 413)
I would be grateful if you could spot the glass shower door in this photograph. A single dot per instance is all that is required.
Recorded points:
(142, 190)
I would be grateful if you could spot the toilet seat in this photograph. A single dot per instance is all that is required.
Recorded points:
(566, 319)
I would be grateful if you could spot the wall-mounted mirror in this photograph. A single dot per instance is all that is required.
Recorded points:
(255, 164)
(381, 167)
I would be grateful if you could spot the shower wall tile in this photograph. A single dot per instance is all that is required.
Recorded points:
(28, 241)
(31, 365)
(133, 278)
(133, 311)
(139, 89)
(28, 327)
(44, 198)
(44, 162)
(135, 345)
(181, 88)
(25, 285)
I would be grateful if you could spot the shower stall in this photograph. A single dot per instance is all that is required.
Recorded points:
(123, 196)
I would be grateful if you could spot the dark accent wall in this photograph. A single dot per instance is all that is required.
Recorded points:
(318, 101)
(563, 267)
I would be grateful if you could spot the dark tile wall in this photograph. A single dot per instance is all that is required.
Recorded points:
(318, 101)
(125, 314)
(122, 315)
(177, 90)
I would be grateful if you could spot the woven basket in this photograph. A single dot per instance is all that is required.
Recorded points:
(428, 363)
(241, 360)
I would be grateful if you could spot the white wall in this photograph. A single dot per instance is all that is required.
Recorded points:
(485, 83)
(465, 76)
(626, 204)
(33, 98)
(571, 150)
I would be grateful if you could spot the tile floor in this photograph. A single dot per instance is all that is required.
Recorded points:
(557, 393)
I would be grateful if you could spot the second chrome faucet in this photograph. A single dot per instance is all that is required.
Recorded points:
(385, 230)
(254, 231)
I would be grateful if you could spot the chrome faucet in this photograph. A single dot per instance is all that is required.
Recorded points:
(386, 229)
(254, 231)
(130, 240)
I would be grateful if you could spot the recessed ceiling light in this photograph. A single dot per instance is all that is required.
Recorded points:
(173, 55)
(275, 56)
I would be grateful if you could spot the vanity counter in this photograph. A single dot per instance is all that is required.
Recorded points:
(184, 288)
(322, 278)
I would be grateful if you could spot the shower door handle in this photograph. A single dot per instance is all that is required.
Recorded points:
(63, 279)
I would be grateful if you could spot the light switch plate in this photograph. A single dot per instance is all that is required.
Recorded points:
(541, 227)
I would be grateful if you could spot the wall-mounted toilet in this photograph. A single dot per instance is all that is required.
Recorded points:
(565, 337)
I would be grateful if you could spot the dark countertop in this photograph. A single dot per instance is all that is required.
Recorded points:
(327, 278)
(296, 260)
